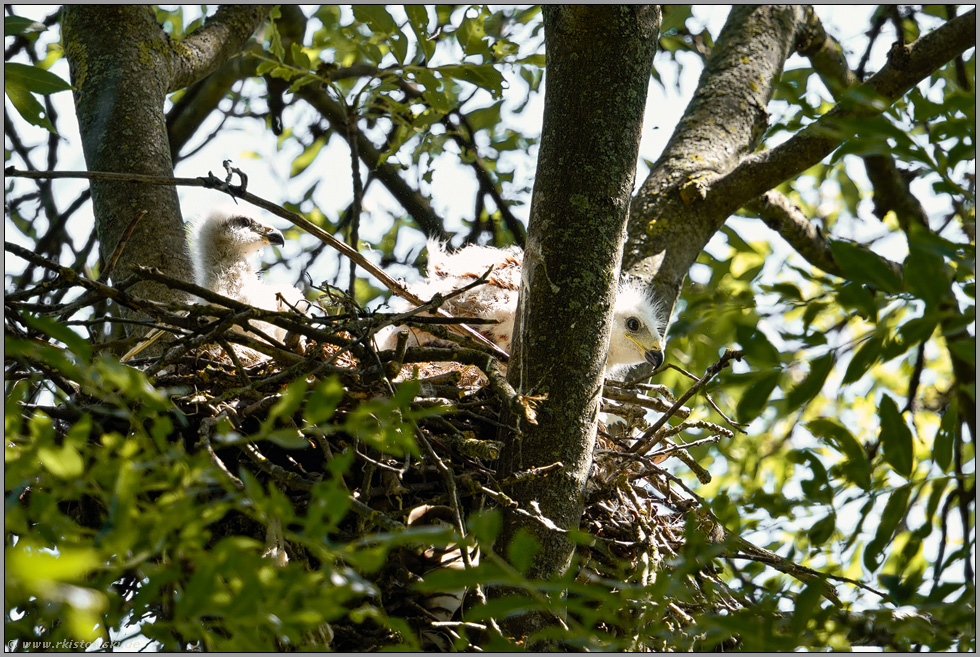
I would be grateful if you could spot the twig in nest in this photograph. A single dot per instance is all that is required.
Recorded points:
(242, 375)
(524, 475)
(375, 516)
(450, 480)
(738, 426)
(283, 477)
(208, 425)
(649, 439)
(630, 397)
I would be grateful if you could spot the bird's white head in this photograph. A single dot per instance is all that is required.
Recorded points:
(638, 328)
(228, 235)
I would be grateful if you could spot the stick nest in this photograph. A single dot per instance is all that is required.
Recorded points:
(237, 394)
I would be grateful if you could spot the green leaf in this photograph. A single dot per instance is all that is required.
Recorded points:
(14, 25)
(34, 79)
(265, 67)
(857, 296)
(75, 343)
(418, 18)
(306, 158)
(275, 39)
(756, 397)
(27, 105)
(485, 525)
(919, 329)
(812, 311)
(821, 531)
(521, 551)
(674, 17)
(289, 401)
(435, 92)
(64, 462)
(288, 439)
(399, 46)
(965, 350)
(300, 58)
(805, 605)
(896, 438)
(817, 489)
(322, 402)
(856, 466)
(810, 387)
(471, 36)
(482, 75)
(758, 349)
(486, 117)
(788, 291)
(862, 265)
(863, 359)
(925, 276)
(894, 512)
(377, 18)
(38, 568)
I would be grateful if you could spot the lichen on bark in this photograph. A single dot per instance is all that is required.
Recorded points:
(598, 68)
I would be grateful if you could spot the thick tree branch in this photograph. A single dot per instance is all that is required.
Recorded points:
(121, 80)
(120, 86)
(826, 56)
(786, 218)
(724, 121)
(891, 188)
(892, 193)
(220, 38)
(906, 67)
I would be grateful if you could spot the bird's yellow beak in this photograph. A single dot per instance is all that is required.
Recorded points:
(653, 354)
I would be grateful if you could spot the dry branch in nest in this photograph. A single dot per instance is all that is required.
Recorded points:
(230, 387)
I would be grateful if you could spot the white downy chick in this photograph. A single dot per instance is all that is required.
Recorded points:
(225, 245)
(638, 322)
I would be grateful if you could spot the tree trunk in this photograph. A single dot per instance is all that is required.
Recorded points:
(598, 70)
(121, 79)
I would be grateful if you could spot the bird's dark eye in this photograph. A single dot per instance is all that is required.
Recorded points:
(241, 222)
(632, 324)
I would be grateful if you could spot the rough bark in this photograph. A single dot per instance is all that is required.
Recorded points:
(906, 67)
(724, 121)
(708, 170)
(598, 66)
(122, 66)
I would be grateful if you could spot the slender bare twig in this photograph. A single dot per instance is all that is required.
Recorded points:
(649, 439)
(110, 264)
